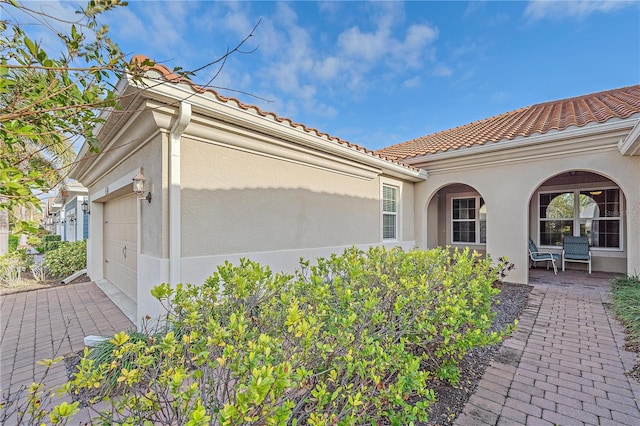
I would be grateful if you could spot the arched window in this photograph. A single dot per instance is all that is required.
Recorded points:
(591, 213)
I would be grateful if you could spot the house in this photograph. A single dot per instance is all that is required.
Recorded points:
(186, 179)
(566, 167)
(224, 180)
(64, 214)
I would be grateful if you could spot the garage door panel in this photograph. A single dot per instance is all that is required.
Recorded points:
(120, 244)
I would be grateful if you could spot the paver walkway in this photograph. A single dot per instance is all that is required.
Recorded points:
(565, 365)
(42, 324)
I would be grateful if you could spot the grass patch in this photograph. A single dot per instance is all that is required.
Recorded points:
(625, 292)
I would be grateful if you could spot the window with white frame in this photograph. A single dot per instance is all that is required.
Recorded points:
(591, 213)
(389, 212)
(468, 220)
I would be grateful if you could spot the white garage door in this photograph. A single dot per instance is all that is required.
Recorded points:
(120, 244)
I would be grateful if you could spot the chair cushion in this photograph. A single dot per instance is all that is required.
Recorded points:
(545, 256)
(576, 256)
(576, 248)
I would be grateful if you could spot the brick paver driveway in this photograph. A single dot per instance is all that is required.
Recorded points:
(564, 366)
(47, 323)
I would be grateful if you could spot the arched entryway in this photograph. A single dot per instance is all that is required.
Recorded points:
(457, 218)
(581, 203)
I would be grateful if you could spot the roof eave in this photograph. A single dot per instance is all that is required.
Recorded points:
(631, 144)
(521, 142)
(170, 92)
(85, 159)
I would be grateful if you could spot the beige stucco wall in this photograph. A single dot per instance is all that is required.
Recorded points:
(242, 202)
(147, 157)
(509, 181)
(235, 202)
(272, 207)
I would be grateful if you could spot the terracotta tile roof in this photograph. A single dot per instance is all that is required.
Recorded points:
(541, 118)
(175, 78)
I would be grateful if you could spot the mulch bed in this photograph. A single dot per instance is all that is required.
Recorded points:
(451, 400)
(30, 284)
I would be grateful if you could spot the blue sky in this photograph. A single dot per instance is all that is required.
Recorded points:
(380, 73)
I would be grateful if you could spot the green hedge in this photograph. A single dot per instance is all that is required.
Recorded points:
(49, 242)
(352, 339)
(66, 259)
(14, 240)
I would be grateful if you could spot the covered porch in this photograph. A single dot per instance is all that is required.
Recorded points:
(571, 278)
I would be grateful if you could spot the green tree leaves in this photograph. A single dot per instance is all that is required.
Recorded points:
(50, 101)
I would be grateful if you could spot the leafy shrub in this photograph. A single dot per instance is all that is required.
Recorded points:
(49, 242)
(11, 266)
(34, 240)
(50, 237)
(66, 259)
(14, 240)
(349, 340)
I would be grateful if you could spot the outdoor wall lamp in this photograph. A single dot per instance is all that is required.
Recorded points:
(138, 187)
(85, 207)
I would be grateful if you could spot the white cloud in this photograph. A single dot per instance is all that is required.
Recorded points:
(285, 15)
(386, 14)
(377, 52)
(307, 92)
(499, 97)
(415, 46)
(376, 46)
(237, 20)
(329, 6)
(442, 70)
(269, 38)
(302, 67)
(158, 28)
(323, 110)
(412, 82)
(537, 9)
(468, 47)
(328, 68)
(361, 45)
(473, 7)
(420, 35)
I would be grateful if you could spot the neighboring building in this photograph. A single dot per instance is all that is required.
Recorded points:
(64, 215)
(225, 180)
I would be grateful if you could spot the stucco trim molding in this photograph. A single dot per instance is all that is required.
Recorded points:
(565, 149)
(260, 145)
(631, 144)
(592, 131)
(204, 104)
(116, 188)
